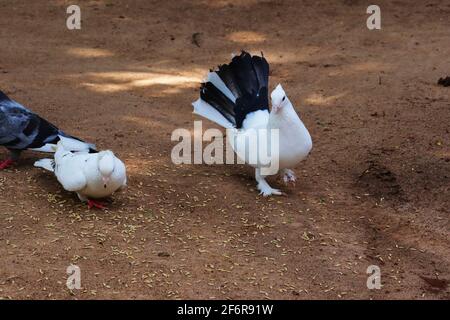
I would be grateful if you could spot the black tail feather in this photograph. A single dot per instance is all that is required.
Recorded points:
(46, 133)
(247, 78)
(218, 100)
(225, 73)
(262, 71)
(244, 73)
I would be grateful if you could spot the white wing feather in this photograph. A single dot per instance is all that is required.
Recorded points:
(206, 110)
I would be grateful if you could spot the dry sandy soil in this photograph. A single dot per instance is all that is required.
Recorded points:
(375, 190)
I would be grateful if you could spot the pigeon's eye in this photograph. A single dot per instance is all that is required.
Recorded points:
(284, 98)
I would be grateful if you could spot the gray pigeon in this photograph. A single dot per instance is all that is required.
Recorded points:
(21, 129)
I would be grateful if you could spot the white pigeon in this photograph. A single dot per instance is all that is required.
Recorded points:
(235, 96)
(90, 175)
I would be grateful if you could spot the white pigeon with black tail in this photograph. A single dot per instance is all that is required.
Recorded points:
(21, 129)
(90, 175)
(235, 96)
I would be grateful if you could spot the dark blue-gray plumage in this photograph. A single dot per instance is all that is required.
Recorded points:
(21, 129)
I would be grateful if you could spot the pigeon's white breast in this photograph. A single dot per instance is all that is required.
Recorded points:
(95, 187)
(295, 142)
(294, 148)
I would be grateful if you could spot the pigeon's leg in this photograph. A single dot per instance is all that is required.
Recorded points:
(264, 187)
(96, 204)
(91, 203)
(6, 164)
(289, 176)
(15, 154)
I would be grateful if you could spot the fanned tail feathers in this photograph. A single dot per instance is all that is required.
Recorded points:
(235, 90)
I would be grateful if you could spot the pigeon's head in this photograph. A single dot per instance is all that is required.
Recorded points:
(279, 99)
(106, 161)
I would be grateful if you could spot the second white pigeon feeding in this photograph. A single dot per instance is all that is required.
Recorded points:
(91, 175)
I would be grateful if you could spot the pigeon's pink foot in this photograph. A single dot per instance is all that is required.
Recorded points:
(96, 204)
(6, 164)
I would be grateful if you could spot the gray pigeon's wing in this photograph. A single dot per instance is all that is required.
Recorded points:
(13, 123)
(22, 129)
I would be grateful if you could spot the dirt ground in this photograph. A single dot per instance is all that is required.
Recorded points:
(374, 191)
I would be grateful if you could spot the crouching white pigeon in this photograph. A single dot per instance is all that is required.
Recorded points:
(235, 96)
(90, 175)
(21, 129)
